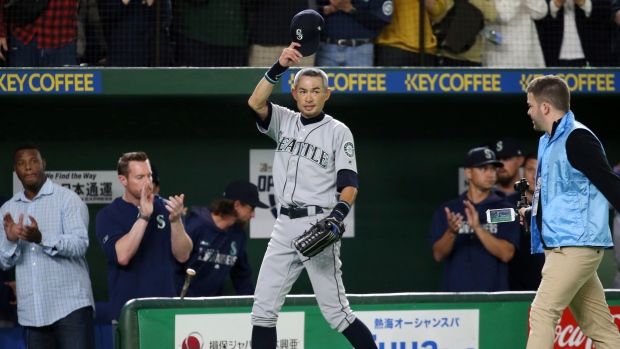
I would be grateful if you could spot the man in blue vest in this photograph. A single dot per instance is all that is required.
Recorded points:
(569, 219)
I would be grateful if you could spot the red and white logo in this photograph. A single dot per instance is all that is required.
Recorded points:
(193, 341)
(568, 335)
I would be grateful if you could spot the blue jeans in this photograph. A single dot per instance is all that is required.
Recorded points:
(76, 330)
(331, 55)
(21, 55)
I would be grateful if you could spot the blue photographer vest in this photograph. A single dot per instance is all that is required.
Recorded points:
(575, 212)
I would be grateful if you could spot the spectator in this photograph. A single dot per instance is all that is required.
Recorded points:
(569, 219)
(520, 46)
(525, 268)
(7, 295)
(508, 152)
(269, 34)
(142, 236)
(476, 252)
(45, 237)
(615, 44)
(219, 243)
(473, 56)
(398, 45)
(616, 238)
(155, 178)
(211, 33)
(351, 27)
(137, 34)
(91, 46)
(49, 40)
(577, 33)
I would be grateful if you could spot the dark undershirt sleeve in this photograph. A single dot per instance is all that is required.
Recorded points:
(585, 153)
(346, 178)
(263, 123)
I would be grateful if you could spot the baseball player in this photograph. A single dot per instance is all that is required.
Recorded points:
(314, 161)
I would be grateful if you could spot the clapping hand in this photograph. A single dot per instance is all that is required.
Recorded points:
(174, 205)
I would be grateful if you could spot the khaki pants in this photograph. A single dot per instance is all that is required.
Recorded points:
(569, 278)
(266, 56)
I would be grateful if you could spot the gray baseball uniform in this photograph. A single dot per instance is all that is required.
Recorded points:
(307, 160)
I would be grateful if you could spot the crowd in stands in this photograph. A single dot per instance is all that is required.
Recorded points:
(232, 33)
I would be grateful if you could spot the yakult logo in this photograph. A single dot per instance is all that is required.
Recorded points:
(569, 335)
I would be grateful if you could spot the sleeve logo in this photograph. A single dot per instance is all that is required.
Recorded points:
(349, 149)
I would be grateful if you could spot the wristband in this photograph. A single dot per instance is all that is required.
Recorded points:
(616, 170)
(275, 72)
(341, 210)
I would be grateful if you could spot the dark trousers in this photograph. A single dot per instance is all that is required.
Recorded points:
(21, 55)
(134, 41)
(389, 56)
(76, 330)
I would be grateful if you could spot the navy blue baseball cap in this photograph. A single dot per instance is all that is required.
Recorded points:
(306, 29)
(505, 148)
(481, 156)
(245, 192)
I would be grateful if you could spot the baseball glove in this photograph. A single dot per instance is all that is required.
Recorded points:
(322, 234)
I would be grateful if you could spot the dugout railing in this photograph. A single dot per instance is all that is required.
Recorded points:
(502, 321)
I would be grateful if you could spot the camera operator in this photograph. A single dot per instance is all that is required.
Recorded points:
(569, 219)
(524, 269)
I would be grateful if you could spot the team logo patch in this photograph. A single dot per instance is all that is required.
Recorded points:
(299, 34)
(488, 153)
(387, 8)
(349, 149)
(499, 146)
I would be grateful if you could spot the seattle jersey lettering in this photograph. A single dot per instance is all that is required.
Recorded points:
(305, 150)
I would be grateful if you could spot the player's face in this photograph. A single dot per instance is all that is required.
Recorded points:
(535, 112)
(139, 176)
(310, 95)
(529, 172)
(506, 175)
(244, 213)
(482, 177)
(30, 168)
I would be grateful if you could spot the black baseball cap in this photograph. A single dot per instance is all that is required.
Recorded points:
(505, 147)
(245, 192)
(481, 156)
(154, 174)
(306, 29)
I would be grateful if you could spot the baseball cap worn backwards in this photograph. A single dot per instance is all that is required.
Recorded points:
(481, 156)
(505, 148)
(245, 192)
(306, 29)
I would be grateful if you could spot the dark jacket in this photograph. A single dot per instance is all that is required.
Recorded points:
(216, 254)
(594, 33)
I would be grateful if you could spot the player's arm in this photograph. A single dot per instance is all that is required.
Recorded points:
(500, 248)
(73, 240)
(181, 242)
(127, 246)
(258, 99)
(443, 247)
(348, 194)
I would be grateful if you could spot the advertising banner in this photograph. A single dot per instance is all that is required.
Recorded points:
(424, 329)
(233, 331)
(94, 187)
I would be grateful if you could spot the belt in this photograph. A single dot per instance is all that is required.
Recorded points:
(348, 42)
(298, 212)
